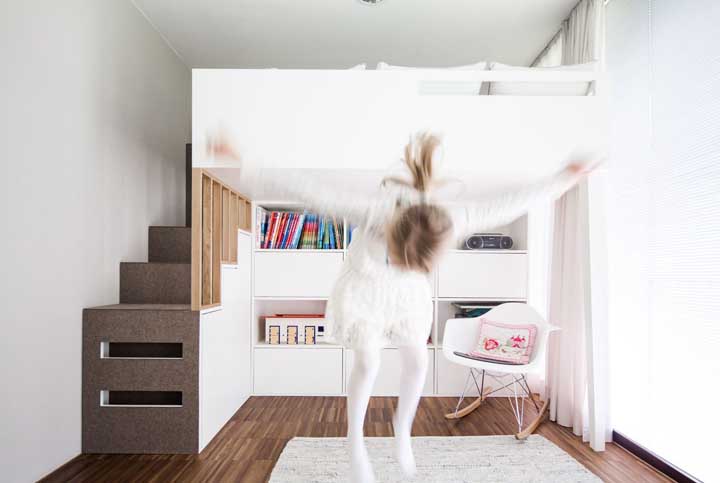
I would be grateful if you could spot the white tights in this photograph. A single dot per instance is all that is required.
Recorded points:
(412, 379)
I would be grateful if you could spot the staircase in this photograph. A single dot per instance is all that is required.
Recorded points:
(140, 357)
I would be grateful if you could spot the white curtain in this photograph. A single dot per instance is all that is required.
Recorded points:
(577, 363)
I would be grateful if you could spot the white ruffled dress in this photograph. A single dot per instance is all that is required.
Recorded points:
(374, 303)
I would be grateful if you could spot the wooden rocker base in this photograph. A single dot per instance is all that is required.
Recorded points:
(522, 435)
(470, 407)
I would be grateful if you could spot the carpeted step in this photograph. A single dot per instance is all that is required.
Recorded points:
(169, 244)
(154, 283)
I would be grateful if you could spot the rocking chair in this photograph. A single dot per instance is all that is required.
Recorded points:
(461, 335)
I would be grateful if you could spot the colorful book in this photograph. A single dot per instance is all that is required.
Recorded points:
(332, 235)
(318, 240)
(307, 232)
(258, 227)
(336, 229)
(326, 234)
(270, 229)
(293, 230)
(276, 230)
(298, 231)
(289, 218)
(281, 231)
(289, 231)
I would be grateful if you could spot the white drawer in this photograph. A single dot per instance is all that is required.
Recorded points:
(475, 274)
(388, 378)
(298, 371)
(293, 273)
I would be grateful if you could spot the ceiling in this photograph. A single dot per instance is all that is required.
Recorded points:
(336, 34)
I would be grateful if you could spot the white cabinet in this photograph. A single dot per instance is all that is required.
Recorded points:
(225, 341)
(487, 275)
(294, 273)
(298, 371)
(388, 378)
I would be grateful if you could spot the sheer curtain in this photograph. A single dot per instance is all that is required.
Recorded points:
(577, 363)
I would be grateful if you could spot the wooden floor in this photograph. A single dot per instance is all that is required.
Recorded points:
(249, 445)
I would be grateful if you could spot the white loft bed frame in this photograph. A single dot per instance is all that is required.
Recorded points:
(338, 120)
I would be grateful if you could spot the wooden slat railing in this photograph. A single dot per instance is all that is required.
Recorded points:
(218, 212)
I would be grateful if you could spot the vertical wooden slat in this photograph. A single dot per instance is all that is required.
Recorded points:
(244, 215)
(233, 227)
(196, 229)
(248, 216)
(241, 213)
(217, 213)
(225, 225)
(217, 229)
(207, 240)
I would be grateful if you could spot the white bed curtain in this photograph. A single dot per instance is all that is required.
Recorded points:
(577, 362)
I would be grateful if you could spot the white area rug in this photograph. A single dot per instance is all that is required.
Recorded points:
(457, 459)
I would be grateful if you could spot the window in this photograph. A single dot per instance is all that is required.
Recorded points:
(663, 63)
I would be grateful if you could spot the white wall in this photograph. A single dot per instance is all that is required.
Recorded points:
(95, 115)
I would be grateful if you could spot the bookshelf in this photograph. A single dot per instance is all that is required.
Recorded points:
(300, 281)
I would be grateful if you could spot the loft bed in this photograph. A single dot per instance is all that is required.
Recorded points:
(501, 128)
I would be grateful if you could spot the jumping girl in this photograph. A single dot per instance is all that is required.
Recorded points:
(383, 295)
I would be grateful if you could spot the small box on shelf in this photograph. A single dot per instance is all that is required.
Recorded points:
(294, 329)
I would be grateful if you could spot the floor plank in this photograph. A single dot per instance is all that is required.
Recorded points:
(248, 446)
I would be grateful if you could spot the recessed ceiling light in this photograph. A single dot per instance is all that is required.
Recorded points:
(370, 2)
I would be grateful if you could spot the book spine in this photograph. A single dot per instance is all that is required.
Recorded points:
(326, 234)
(336, 232)
(263, 227)
(258, 227)
(306, 231)
(333, 245)
(276, 228)
(269, 229)
(292, 230)
(281, 230)
(298, 231)
(314, 238)
(321, 229)
(286, 229)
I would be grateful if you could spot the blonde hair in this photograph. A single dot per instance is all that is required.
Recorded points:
(417, 233)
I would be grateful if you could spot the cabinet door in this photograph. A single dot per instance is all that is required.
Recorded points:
(452, 378)
(296, 274)
(388, 378)
(298, 371)
(476, 274)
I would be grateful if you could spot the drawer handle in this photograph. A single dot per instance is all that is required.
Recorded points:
(140, 398)
(141, 350)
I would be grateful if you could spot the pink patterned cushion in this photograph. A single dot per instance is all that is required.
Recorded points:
(505, 342)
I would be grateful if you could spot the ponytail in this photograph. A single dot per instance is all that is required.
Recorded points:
(418, 158)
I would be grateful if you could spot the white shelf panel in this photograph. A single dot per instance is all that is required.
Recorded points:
(290, 298)
(509, 252)
(297, 250)
(320, 346)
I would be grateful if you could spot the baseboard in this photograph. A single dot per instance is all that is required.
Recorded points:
(663, 466)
